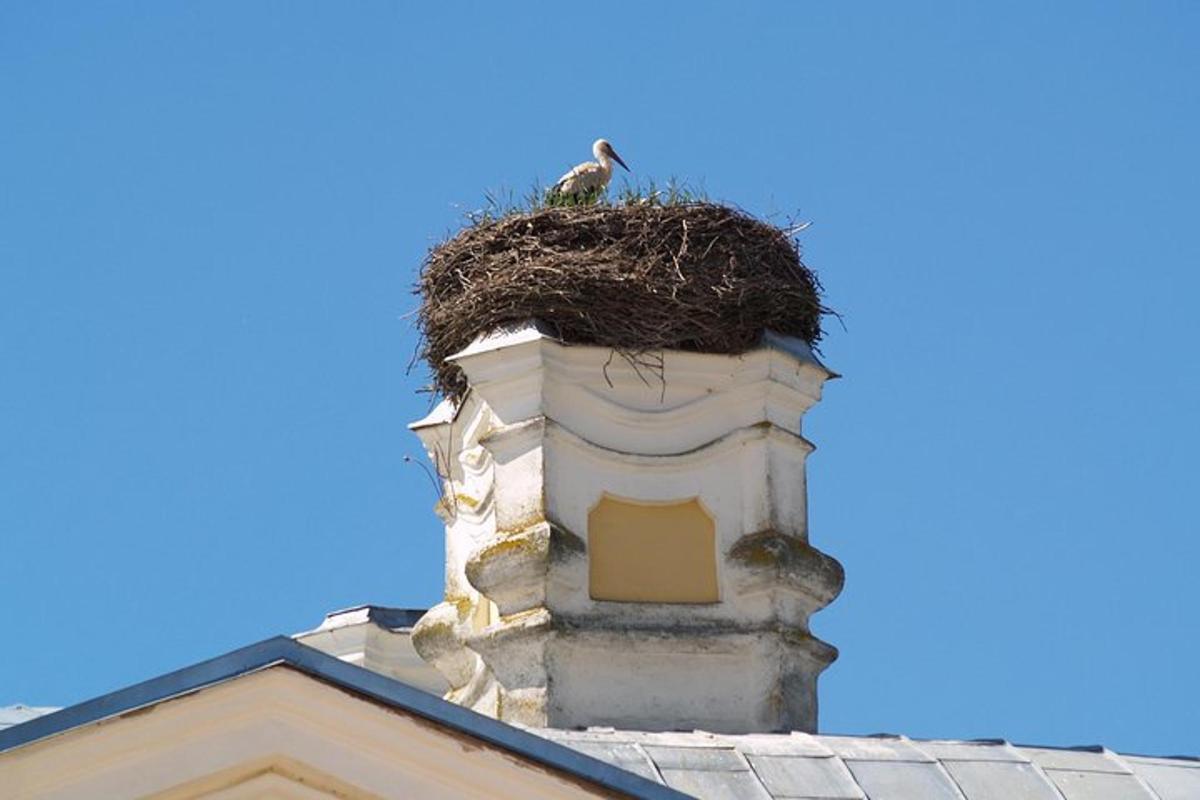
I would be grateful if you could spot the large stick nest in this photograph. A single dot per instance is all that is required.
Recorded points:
(639, 279)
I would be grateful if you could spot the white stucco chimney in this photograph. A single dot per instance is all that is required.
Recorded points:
(627, 551)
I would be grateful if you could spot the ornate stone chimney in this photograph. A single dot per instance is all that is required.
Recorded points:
(628, 551)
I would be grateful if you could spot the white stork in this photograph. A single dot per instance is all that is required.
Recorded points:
(591, 177)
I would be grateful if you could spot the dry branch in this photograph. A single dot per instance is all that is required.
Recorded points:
(638, 279)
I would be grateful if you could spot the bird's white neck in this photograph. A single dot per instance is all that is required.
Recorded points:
(604, 161)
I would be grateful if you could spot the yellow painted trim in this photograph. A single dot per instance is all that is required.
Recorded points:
(288, 768)
(652, 552)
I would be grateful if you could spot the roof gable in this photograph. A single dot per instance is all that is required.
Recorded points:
(244, 714)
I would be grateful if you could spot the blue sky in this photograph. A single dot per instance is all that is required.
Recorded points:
(211, 219)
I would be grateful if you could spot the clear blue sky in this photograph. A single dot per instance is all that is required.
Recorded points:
(212, 215)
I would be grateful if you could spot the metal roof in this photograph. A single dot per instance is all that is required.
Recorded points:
(667, 766)
(283, 651)
(15, 715)
(385, 617)
(799, 766)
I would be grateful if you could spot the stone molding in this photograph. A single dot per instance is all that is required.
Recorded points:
(544, 431)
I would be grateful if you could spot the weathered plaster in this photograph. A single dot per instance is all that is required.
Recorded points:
(545, 432)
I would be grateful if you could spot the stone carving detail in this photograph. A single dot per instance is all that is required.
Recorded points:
(544, 433)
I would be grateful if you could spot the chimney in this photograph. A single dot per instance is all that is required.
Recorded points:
(626, 541)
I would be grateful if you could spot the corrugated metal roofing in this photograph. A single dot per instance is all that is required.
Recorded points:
(798, 766)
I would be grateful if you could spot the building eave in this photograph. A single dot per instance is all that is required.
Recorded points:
(283, 651)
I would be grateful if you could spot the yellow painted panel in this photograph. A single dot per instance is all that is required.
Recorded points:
(652, 552)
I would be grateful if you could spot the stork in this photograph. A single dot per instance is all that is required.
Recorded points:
(589, 179)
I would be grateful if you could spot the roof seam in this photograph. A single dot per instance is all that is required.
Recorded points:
(949, 777)
(750, 765)
(653, 764)
(1041, 773)
(1140, 780)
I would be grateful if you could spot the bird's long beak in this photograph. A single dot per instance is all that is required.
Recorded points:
(617, 158)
